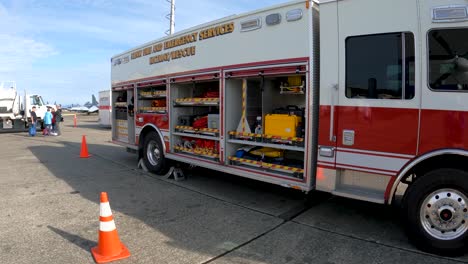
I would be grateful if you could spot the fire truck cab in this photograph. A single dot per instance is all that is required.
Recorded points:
(393, 92)
(364, 99)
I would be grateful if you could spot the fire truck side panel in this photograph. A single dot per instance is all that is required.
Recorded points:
(161, 121)
(392, 112)
(326, 178)
(203, 55)
(366, 129)
(435, 133)
(264, 44)
(444, 118)
(443, 137)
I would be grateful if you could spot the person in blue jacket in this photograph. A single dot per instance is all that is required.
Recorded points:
(48, 122)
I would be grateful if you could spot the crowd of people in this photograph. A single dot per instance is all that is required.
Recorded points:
(51, 119)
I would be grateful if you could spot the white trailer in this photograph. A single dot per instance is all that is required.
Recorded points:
(105, 108)
(364, 99)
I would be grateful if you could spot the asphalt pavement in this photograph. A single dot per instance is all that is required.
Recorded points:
(49, 211)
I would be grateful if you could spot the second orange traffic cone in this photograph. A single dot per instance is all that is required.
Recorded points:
(109, 247)
(84, 149)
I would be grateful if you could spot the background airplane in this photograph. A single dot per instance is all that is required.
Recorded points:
(88, 107)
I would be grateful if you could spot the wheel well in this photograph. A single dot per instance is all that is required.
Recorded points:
(442, 161)
(453, 161)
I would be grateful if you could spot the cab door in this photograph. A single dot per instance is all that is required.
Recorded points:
(444, 115)
(377, 112)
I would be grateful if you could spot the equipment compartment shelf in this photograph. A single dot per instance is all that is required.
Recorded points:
(120, 104)
(198, 153)
(158, 110)
(261, 144)
(292, 143)
(192, 130)
(195, 136)
(289, 171)
(196, 102)
(296, 89)
(152, 95)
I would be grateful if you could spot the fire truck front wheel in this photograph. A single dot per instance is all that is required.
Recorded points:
(436, 212)
(153, 154)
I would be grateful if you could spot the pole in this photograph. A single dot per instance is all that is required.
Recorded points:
(171, 18)
(74, 121)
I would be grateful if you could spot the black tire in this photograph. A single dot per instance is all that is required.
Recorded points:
(441, 227)
(153, 154)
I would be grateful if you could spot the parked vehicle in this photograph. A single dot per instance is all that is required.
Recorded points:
(364, 99)
(105, 109)
(15, 108)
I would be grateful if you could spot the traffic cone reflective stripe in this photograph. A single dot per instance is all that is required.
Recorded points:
(105, 218)
(104, 209)
(84, 148)
(109, 247)
(107, 226)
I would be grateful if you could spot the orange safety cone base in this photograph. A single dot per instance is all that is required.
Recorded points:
(85, 156)
(104, 259)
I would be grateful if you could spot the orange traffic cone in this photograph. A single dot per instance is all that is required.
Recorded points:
(109, 247)
(84, 148)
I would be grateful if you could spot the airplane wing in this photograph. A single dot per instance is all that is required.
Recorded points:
(93, 109)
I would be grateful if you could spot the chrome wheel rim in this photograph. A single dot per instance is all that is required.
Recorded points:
(444, 214)
(153, 153)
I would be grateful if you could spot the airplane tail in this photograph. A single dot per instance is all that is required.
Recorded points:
(94, 101)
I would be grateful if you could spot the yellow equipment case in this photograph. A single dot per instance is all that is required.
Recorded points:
(268, 152)
(282, 125)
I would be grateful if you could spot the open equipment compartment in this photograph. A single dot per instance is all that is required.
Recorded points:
(123, 105)
(152, 97)
(265, 121)
(195, 128)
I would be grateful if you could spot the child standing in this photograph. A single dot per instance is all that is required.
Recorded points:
(48, 122)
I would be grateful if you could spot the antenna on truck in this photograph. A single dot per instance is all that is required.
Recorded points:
(170, 17)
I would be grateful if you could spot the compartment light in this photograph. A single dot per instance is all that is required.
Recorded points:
(251, 24)
(294, 15)
(449, 13)
(273, 19)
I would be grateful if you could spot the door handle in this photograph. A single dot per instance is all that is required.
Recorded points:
(328, 152)
(334, 87)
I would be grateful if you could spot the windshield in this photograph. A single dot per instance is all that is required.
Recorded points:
(36, 100)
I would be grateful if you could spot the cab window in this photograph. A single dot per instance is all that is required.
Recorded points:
(448, 59)
(36, 100)
(380, 66)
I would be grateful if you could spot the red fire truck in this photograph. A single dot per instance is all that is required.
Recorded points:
(365, 99)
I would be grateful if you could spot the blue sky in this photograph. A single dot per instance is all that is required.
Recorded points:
(61, 49)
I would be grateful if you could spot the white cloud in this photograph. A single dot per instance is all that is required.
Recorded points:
(19, 52)
(86, 33)
(65, 85)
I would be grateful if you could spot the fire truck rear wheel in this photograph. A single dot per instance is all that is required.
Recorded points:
(153, 154)
(436, 212)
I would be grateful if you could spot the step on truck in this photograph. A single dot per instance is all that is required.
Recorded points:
(364, 99)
